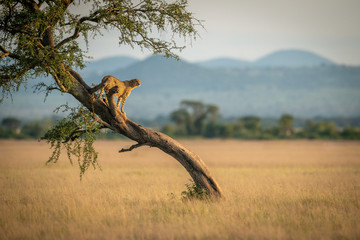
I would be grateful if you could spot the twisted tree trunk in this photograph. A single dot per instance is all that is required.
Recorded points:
(37, 45)
(114, 119)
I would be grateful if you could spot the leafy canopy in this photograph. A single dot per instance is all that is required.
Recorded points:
(41, 38)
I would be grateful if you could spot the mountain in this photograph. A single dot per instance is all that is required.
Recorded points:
(327, 90)
(158, 71)
(282, 58)
(224, 63)
(292, 58)
(321, 90)
(108, 64)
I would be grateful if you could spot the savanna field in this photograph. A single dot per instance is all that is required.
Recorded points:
(273, 190)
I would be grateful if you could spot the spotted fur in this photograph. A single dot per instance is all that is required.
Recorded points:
(123, 91)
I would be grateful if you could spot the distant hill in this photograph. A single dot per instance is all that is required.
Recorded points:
(224, 63)
(283, 58)
(325, 90)
(158, 71)
(320, 90)
(292, 58)
(109, 64)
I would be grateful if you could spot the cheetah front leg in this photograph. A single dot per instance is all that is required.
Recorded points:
(123, 97)
(122, 104)
(118, 102)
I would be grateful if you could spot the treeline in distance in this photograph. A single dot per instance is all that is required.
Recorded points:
(194, 119)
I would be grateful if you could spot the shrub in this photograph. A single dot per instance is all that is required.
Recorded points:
(194, 191)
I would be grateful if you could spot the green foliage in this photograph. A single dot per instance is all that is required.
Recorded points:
(14, 128)
(286, 125)
(248, 127)
(350, 133)
(193, 192)
(11, 123)
(229, 129)
(35, 129)
(194, 119)
(6, 133)
(40, 38)
(321, 130)
(193, 116)
(76, 134)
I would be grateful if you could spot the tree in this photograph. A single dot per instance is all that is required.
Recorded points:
(309, 130)
(182, 118)
(11, 123)
(40, 38)
(286, 125)
(248, 127)
(195, 110)
(350, 133)
(326, 130)
(251, 123)
(193, 117)
(36, 129)
(10, 128)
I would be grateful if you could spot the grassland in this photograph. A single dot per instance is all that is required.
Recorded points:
(273, 189)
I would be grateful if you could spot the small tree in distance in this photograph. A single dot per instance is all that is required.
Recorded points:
(11, 123)
(286, 125)
(39, 38)
(193, 116)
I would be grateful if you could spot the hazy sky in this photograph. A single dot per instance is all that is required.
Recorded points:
(249, 29)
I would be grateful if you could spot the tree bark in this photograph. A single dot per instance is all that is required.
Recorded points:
(118, 122)
(110, 116)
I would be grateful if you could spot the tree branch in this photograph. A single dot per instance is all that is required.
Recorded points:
(132, 147)
(76, 33)
(47, 90)
(14, 30)
(3, 49)
(101, 121)
(58, 82)
(69, 39)
(78, 77)
(6, 53)
(31, 4)
(11, 13)
(53, 88)
(78, 132)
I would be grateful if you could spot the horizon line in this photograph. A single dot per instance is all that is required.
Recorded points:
(145, 56)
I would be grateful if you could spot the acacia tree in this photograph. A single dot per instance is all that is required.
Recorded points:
(193, 116)
(286, 125)
(40, 38)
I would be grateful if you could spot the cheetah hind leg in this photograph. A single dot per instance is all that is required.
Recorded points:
(104, 99)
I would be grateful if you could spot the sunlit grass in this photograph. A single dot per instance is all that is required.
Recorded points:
(273, 190)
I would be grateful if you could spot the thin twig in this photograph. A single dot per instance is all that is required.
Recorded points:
(57, 80)
(4, 55)
(7, 53)
(101, 121)
(78, 133)
(132, 147)
(69, 39)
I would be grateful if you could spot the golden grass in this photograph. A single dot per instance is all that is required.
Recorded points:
(273, 189)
